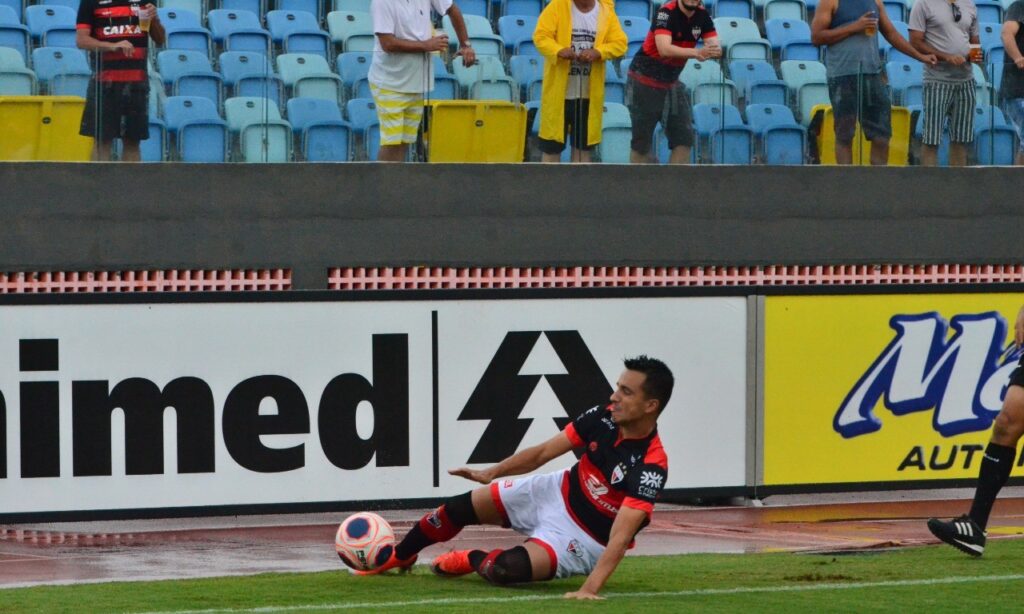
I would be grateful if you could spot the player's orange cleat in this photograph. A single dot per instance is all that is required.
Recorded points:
(454, 563)
(393, 563)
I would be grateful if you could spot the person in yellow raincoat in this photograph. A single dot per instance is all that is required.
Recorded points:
(576, 38)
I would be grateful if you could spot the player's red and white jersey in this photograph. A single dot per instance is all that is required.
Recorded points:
(612, 472)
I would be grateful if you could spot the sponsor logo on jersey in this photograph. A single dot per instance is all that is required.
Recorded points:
(618, 474)
(633, 458)
(696, 32)
(593, 446)
(652, 479)
(508, 483)
(434, 519)
(608, 422)
(595, 487)
(121, 30)
(661, 19)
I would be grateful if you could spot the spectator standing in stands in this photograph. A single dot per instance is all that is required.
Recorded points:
(1012, 92)
(653, 91)
(946, 29)
(855, 84)
(117, 105)
(576, 38)
(401, 71)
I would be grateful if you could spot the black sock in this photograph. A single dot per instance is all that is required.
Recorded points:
(995, 471)
(476, 557)
(440, 525)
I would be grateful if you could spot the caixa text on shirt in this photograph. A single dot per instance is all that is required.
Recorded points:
(143, 403)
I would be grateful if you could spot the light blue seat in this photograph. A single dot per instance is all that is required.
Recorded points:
(989, 11)
(262, 135)
(298, 32)
(524, 8)
(323, 135)
(897, 10)
(41, 19)
(995, 145)
(309, 75)
(446, 87)
(196, 6)
(371, 144)
(361, 112)
(723, 137)
(707, 84)
(733, 8)
(248, 73)
(355, 6)
(616, 134)
(808, 86)
(485, 41)
(189, 73)
(16, 6)
(783, 141)
(487, 69)
(350, 30)
(311, 7)
(785, 9)
(527, 47)
(197, 130)
(886, 48)
(256, 7)
(71, 4)
(13, 34)
(515, 29)
(238, 30)
(528, 72)
(741, 39)
(790, 37)
(633, 8)
(757, 81)
(62, 71)
(354, 66)
(185, 31)
(902, 76)
(614, 86)
(154, 148)
(16, 79)
(476, 8)
(636, 29)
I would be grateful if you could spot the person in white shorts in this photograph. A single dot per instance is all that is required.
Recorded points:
(401, 71)
(579, 521)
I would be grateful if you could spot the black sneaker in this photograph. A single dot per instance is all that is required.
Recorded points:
(962, 533)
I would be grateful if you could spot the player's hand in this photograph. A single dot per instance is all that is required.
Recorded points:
(929, 58)
(567, 53)
(125, 47)
(476, 475)
(583, 595)
(588, 56)
(468, 56)
(956, 60)
(1019, 62)
(1018, 328)
(437, 43)
(867, 20)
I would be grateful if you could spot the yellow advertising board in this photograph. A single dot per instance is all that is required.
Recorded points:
(883, 388)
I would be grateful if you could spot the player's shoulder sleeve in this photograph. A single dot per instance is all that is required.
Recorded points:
(662, 21)
(647, 480)
(382, 16)
(1015, 12)
(583, 429)
(708, 25)
(85, 14)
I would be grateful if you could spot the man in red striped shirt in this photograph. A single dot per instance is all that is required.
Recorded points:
(117, 105)
(579, 521)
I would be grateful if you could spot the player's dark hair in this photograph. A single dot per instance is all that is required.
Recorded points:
(659, 381)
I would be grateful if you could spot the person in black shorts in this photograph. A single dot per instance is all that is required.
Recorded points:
(653, 91)
(117, 105)
(967, 533)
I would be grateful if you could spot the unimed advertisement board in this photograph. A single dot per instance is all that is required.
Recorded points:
(893, 389)
(125, 407)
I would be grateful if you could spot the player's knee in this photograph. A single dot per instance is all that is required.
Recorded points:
(507, 566)
(1007, 428)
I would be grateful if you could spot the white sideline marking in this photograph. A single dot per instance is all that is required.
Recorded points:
(739, 590)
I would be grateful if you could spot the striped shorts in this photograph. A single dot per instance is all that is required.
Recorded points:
(953, 100)
(399, 113)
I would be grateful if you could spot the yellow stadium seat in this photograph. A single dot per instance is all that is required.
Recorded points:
(43, 128)
(899, 143)
(475, 131)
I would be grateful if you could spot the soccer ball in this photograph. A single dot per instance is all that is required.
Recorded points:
(364, 541)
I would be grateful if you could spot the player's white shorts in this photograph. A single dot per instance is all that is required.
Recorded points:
(534, 507)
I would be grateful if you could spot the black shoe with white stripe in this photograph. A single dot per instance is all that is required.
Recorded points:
(962, 533)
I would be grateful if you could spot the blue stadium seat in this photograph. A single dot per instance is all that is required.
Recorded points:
(256, 7)
(312, 7)
(247, 73)
(527, 70)
(361, 112)
(515, 29)
(154, 149)
(785, 9)
(477, 8)
(185, 31)
(707, 84)
(616, 134)
(199, 133)
(995, 141)
(757, 82)
(885, 47)
(636, 29)
(353, 66)
(323, 135)
(298, 32)
(71, 4)
(790, 37)
(783, 141)
(903, 76)
(485, 41)
(42, 19)
(309, 75)
(13, 34)
(62, 71)
(237, 30)
(351, 31)
(633, 8)
(741, 39)
(262, 135)
(196, 6)
(734, 8)
(897, 10)
(522, 8)
(723, 137)
(15, 78)
(189, 73)
(16, 6)
(357, 6)
(989, 11)
(614, 86)
(371, 143)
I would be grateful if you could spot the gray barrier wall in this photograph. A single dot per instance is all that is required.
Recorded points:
(309, 217)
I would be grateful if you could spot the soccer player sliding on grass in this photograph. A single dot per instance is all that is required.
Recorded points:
(967, 533)
(578, 521)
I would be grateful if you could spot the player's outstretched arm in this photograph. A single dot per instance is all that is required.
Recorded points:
(519, 463)
(627, 522)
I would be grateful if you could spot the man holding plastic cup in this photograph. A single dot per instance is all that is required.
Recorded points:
(117, 104)
(856, 88)
(946, 29)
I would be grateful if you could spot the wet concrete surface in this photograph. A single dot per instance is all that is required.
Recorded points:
(67, 553)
